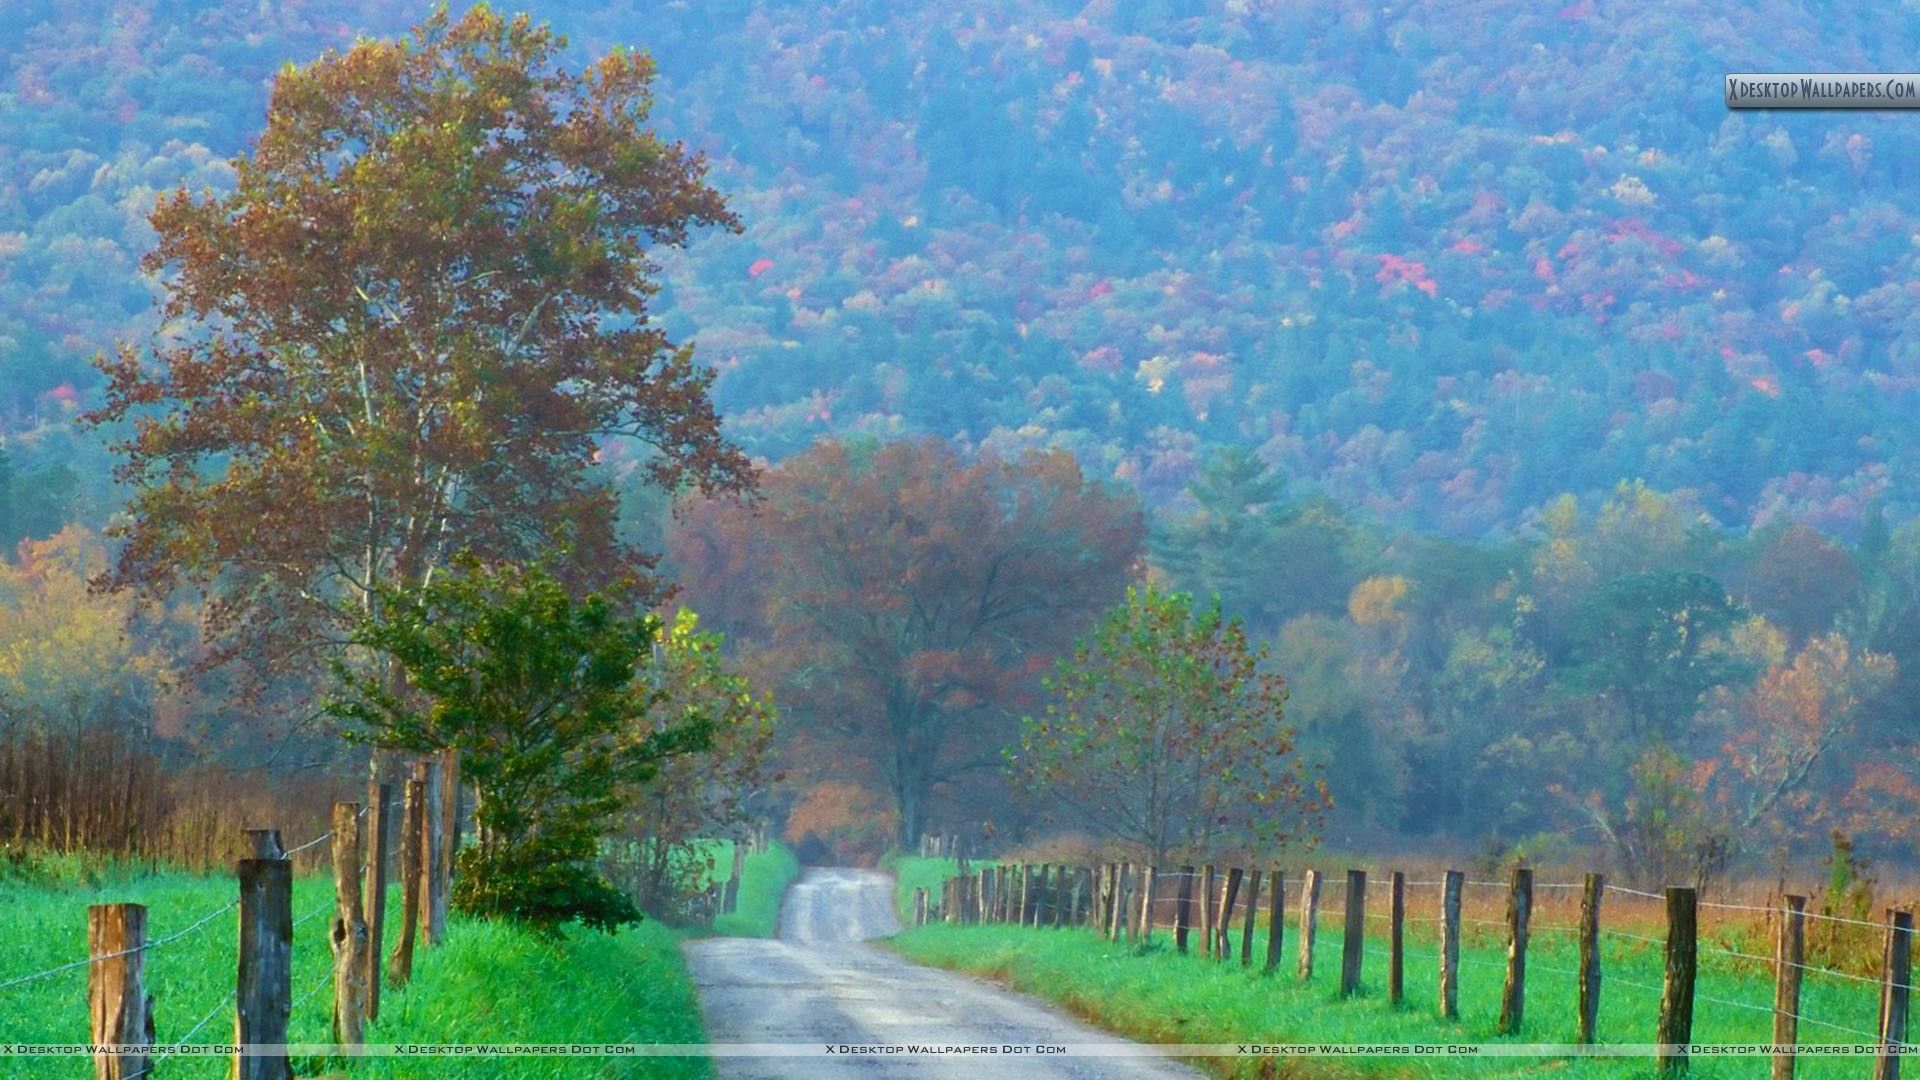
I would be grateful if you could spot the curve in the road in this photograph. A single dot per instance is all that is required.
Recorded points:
(820, 983)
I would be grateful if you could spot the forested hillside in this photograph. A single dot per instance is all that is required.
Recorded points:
(1443, 261)
(1550, 424)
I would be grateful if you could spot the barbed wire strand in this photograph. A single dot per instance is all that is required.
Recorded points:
(22, 980)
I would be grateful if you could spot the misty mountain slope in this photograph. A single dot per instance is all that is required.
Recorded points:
(1444, 261)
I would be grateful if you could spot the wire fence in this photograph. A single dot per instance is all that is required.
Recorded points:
(1572, 914)
(160, 942)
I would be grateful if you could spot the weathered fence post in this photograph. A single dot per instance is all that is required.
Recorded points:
(378, 796)
(1048, 900)
(1253, 916)
(1356, 933)
(265, 844)
(1064, 881)
(1450, 945)
(1028, 901)
(1276, 920)
(1223, 926)
(450, 832)
(1676, 993)
(412, 807)
(1396, 937)
(730, 896)
(263, 991)
(1103, 899)
(1183, 910)
(1122, 929)
(349, 931)
(1897, 971)
(1309, 922)
(1589, 992)
(920, 898)
(1209, 895)
(1789, 954)
(118, 1005)
(1148, 883)
(1513, 994)
(433, 821)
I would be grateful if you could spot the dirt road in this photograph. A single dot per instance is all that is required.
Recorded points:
(819, 984)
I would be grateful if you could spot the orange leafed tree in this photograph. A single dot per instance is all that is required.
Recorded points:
(908, 598)
(405, 330)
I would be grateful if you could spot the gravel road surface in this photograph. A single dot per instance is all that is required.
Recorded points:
(819, 984)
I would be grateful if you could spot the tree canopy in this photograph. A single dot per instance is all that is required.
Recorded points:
(907, 596)
(406, 330)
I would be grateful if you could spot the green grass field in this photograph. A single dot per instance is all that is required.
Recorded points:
(912, 872)
(489, 982)
(763, 879)
(1162, 996)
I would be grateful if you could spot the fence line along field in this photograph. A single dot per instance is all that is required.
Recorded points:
(1442, 958)
(312, 952)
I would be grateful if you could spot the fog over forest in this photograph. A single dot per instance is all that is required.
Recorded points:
(1547, 427)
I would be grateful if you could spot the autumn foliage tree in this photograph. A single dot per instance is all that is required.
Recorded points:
(406, 329)
(910, 596)
(1164, 732)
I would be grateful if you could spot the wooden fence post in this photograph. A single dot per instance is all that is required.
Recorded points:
(730, 896)
(450, 832)
(1209, 896)
(263, 992)
(920, 897)
(1589, 944)
(1356, 933)
(1276, 919)
(378, 796)
(1897, 977)
(1028, 901)
(1148, 882)
(1103, 899)
(1676, 993)
(1127, 917)
(1183, 910)
(1253, 916)
(1122, 889)
(412, 806)
(1064, 884)
(433, 918)
(1223, 926)
(1309, 920)
(118, 1005)
(1396, 937)
(349, 932)
(1450, 945)
(1789, 953)
(1513, 994)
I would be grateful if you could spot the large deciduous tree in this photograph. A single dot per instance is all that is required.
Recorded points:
(1163, 731)
(908, 597)
(406, 329)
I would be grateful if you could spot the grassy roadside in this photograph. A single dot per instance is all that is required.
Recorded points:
(1161, 996)
(488, 982)
(763, 880)
(912, 872)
